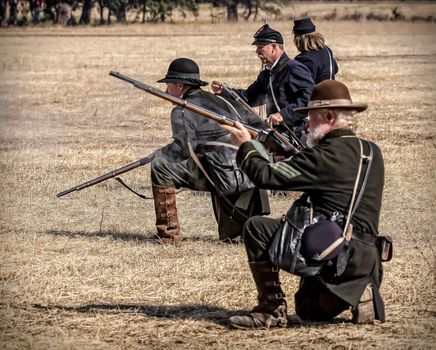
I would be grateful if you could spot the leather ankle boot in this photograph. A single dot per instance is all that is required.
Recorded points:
(364, 311)
(167, 221)
(271, 310)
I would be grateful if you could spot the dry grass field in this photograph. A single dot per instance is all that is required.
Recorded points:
(83, 272)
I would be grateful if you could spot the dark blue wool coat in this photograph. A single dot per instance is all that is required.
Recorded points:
(292, 84)
(318, 63)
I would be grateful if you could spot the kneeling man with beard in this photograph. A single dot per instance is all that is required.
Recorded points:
(331, 173)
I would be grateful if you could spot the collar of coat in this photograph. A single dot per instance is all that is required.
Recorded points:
(281, 63)
(194, 89)
(337, 133)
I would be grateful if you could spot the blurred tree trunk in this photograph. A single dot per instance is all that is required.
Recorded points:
(232, 10)
(85, 18)
(121, 13)
(109, 6)
(101, 9)
(2, 11)
(64, 14)
(248, 11)
(144, 10)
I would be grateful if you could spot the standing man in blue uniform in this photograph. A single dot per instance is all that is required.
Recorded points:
(283, 85)
(314, 53)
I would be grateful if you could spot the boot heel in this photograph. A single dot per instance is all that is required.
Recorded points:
(364, 311)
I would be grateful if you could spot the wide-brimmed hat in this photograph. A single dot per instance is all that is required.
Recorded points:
(303, 26)
(331, 94)
(183, 70)
(266, 35)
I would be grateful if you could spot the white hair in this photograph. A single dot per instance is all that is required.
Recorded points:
(344, 120)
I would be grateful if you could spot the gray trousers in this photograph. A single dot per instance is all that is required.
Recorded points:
(186, 174)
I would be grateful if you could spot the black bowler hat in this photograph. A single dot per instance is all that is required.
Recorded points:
(183, 70)
(266, 35)
(303, 26)
(322, 240)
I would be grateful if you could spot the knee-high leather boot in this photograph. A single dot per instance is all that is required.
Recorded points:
(272, 309)
(167, 221)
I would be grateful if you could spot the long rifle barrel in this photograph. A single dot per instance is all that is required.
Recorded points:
(109, 175)
(194, 108)
(269, 137)
(265, 136)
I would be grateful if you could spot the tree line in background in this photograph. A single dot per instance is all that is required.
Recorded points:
(72, 12)
(22, 12)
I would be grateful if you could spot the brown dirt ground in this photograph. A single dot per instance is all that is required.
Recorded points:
(82, 272)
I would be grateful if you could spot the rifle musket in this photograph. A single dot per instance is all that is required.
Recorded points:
(298, 145)
(109, 175)
(254, 132)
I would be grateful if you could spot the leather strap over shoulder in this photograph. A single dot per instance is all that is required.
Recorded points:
(218, 191)
(271, 86)
(355, 202)
(348, 234)
(330, 63)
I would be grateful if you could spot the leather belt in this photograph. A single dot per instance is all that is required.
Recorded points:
(365, 238)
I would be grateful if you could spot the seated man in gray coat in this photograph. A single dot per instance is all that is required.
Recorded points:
(202, 158)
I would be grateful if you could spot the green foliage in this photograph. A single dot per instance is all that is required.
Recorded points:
(272, 6)
(250, 8)
(159, 10)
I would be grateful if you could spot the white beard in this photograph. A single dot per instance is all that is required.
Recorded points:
(315, 135)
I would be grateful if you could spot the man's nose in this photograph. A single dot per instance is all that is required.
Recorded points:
(306, 122)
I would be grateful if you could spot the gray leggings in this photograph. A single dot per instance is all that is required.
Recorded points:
(185, 174)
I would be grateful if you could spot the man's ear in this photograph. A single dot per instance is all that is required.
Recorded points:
(331, 117)
(183, 88)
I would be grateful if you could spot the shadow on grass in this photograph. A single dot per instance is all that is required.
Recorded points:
(200, 312)
(150, 238)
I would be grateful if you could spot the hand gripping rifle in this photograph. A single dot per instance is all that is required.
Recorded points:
(269, 137)
(293, 140)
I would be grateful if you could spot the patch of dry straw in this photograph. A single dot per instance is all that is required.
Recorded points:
(83, 271)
